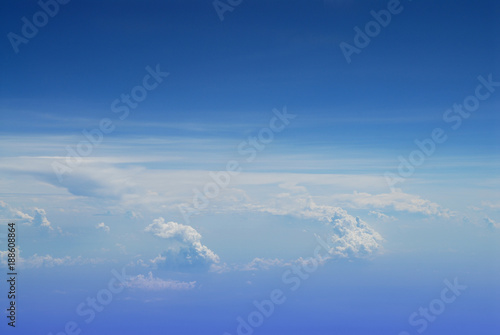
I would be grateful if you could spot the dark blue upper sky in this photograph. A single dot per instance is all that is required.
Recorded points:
(265, 54)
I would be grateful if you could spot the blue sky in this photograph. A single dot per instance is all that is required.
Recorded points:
(220, 179)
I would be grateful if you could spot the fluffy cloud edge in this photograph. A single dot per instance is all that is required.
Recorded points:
(189, 253)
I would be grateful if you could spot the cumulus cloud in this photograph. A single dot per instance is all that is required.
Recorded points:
(8, 212)
(187, 253)
(103, 227)
(175, 230)
(40, 219)
(348, 235)
(151, 283)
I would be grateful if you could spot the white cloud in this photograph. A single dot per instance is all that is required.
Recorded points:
(8, 212)
(40, 219)
(103, 227)
(175, 230)
(349, 236)
(149, 282)
(258, 264)
(263, 264)
(382, 216)
(396, 200)
(189, 253)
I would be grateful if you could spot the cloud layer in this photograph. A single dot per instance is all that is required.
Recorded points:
(151, 283)
(349, 236)
(187, 253)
